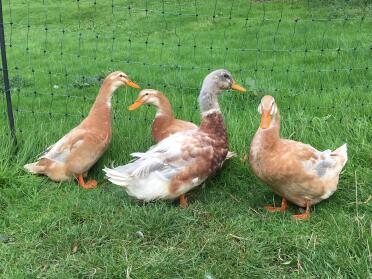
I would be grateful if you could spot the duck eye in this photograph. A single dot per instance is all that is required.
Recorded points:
(121, 75)
(225, 75)
(147, 94)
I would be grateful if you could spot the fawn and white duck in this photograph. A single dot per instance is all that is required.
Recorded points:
(165, 124)
(295, 171)
(76, 152)
(184, 160)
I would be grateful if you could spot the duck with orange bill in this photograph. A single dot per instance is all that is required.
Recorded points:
(164, 123)
(184, 160)
(76, 152)
(295, 171)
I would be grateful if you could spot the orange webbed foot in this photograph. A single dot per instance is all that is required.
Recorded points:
(273, 208)
(86, 185)
(90, 184)
(183, 201)
(305, 215)
(282, 208)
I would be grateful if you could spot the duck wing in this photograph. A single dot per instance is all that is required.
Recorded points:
(323, 164)
(63, 147)
(167, 158)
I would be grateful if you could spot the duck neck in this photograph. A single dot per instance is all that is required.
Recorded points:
(208, 99)
(102, 104)
(270, 136)
(212, 120)
(163, 107)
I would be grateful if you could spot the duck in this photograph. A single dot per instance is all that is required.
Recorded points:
(164, 124)
(297, 172)
(184, 160)
(75, 153)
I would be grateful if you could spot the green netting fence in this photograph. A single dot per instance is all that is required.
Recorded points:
(314, 55)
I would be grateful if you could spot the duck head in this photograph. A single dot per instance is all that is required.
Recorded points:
(146, 96)
(213, 85)
(220, 80)
(117, 79)
(268, 110)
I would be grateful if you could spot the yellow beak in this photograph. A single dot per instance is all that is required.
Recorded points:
(136, 104)
(237, 87)
(265, 120)
(132, 84)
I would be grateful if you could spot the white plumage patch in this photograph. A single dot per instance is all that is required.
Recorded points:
(148, 176)
(327, 164)
(108, 103)
(327, 194)
(205, 113)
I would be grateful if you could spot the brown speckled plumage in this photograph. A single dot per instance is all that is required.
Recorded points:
(211, 141)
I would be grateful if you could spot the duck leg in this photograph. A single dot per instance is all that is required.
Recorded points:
(183, 201)
(86, 185)
(282, 208)
(305, 215)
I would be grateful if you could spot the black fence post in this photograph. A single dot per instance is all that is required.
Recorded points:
(6, 77)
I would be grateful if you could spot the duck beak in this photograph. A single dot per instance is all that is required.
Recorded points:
(237, 87)
(265, 120)
(132, 84)
(136, 104)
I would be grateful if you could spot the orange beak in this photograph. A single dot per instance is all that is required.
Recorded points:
(237, 87)
(132, 84)
(136, 104)
(265, 120)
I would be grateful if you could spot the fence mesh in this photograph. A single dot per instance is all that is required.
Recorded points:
(313, 55)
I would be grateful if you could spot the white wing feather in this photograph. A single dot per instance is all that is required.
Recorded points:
(148, 176)
(160, 157)
(328, 163)
(61, 149)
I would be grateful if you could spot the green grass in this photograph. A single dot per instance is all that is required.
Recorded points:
(315, 57)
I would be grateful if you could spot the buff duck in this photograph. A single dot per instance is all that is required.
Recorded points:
(164, 124)
(184, 160)
(295, 171)
(76, 152)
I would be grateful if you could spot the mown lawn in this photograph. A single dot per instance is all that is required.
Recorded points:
(315, 57)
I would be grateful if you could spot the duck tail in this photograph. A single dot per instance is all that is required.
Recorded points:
(149, 188)
(340, 155)
(116, 177)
